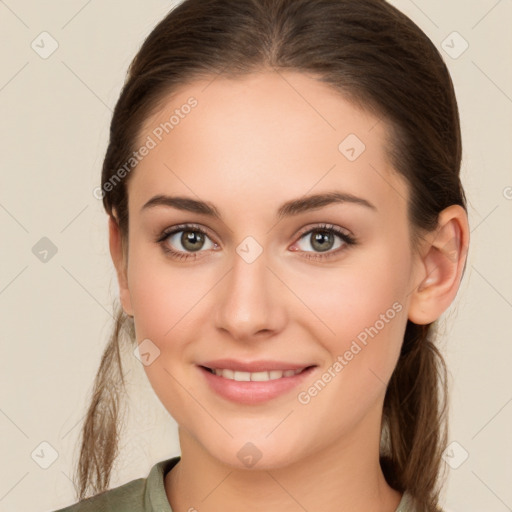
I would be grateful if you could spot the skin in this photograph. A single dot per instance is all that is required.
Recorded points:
(250, 145)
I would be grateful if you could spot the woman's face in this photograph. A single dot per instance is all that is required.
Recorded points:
(259, 287)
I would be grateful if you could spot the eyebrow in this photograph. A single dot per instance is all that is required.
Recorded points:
(290, 208)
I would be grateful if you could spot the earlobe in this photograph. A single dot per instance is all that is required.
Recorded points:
(441, 267)
(119, 260)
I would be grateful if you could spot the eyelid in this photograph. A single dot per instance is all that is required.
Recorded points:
(324, 226)
(184, 227)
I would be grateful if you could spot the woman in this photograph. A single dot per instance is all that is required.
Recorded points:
(287, 223)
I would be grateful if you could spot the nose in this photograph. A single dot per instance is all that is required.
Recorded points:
(251, 301)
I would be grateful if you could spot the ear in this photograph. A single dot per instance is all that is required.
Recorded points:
(120, 263)
(442, 263)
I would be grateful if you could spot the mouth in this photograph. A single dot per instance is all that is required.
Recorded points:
(260, 376)
(265, 383)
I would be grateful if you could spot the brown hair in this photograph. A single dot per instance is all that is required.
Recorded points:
(380, 60)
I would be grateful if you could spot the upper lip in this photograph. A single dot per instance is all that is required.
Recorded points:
(253, 366)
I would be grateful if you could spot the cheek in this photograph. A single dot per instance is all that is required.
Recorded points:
(163, 301)
(354, 297)
(361, 311)
(361, 354)
(161, 295)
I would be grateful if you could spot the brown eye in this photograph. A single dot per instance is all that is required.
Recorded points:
(192, 240)
(322, 239)
(184, 241)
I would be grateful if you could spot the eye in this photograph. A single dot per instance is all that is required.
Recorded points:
(322, 238)
(188, 238)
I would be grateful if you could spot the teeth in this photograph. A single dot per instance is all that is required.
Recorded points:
(255, 376)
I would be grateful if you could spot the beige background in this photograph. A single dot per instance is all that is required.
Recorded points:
(56, 315)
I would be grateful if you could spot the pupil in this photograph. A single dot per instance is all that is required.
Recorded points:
(320, 238)
(192, 240)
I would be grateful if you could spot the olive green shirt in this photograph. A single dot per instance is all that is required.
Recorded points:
(148, 495)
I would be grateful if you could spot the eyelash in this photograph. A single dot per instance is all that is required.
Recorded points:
(326, 228)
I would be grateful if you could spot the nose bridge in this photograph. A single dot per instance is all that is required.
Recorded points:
(249, 302)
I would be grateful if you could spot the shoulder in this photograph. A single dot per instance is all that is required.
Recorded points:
(127, 498)
(140, 495)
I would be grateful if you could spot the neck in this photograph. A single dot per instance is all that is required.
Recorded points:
(343, 477)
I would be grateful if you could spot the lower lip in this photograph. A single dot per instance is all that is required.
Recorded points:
(253, 392)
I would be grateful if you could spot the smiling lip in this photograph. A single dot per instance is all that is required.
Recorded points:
(253, 392)
(254, 366)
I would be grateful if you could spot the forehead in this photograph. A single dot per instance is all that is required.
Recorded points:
(263, 138)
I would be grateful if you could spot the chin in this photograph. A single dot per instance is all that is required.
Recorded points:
(258, 454)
